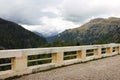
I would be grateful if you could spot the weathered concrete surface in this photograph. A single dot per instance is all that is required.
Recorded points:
(102, 69)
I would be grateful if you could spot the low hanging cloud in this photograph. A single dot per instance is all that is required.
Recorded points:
(50, 26)
(81, 10)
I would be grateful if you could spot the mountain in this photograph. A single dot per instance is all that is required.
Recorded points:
(96, 31)
(14, 36)
(38, 33)
(52, 38)
(46, 34)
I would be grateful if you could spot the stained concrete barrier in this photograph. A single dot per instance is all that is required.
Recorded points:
(19, 57)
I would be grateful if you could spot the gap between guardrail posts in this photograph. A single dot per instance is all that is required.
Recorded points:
(119, 49)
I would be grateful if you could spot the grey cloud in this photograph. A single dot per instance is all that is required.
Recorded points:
(26, 11)
(30, 12)
(80, 10)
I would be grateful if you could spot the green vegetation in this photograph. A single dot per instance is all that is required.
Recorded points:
(13, 36)
(61, 44)
(5, 61)
(90, 52)
(97, 31)
(103, 50)
(39, 59)
(70, 55)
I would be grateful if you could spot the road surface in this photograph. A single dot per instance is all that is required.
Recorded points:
(102, 69)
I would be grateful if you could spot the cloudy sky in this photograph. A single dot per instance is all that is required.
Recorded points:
(54, 16)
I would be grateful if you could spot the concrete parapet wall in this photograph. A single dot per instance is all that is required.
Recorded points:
(19, 57)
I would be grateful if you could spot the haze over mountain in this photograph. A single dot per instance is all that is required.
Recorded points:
(98, 30)
(46, 35)
(15, 36)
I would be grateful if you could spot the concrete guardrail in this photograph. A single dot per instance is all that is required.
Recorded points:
(19, 58)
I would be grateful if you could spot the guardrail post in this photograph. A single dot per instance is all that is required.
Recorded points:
(109, 50)
(97, 52)
(57, 58)
(19, 63)
(81, 54)
(119, 49)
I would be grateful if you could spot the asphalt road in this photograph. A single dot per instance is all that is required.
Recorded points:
(102, 69)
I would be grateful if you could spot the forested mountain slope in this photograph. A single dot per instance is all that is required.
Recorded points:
(14, 36)
(96, 31)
